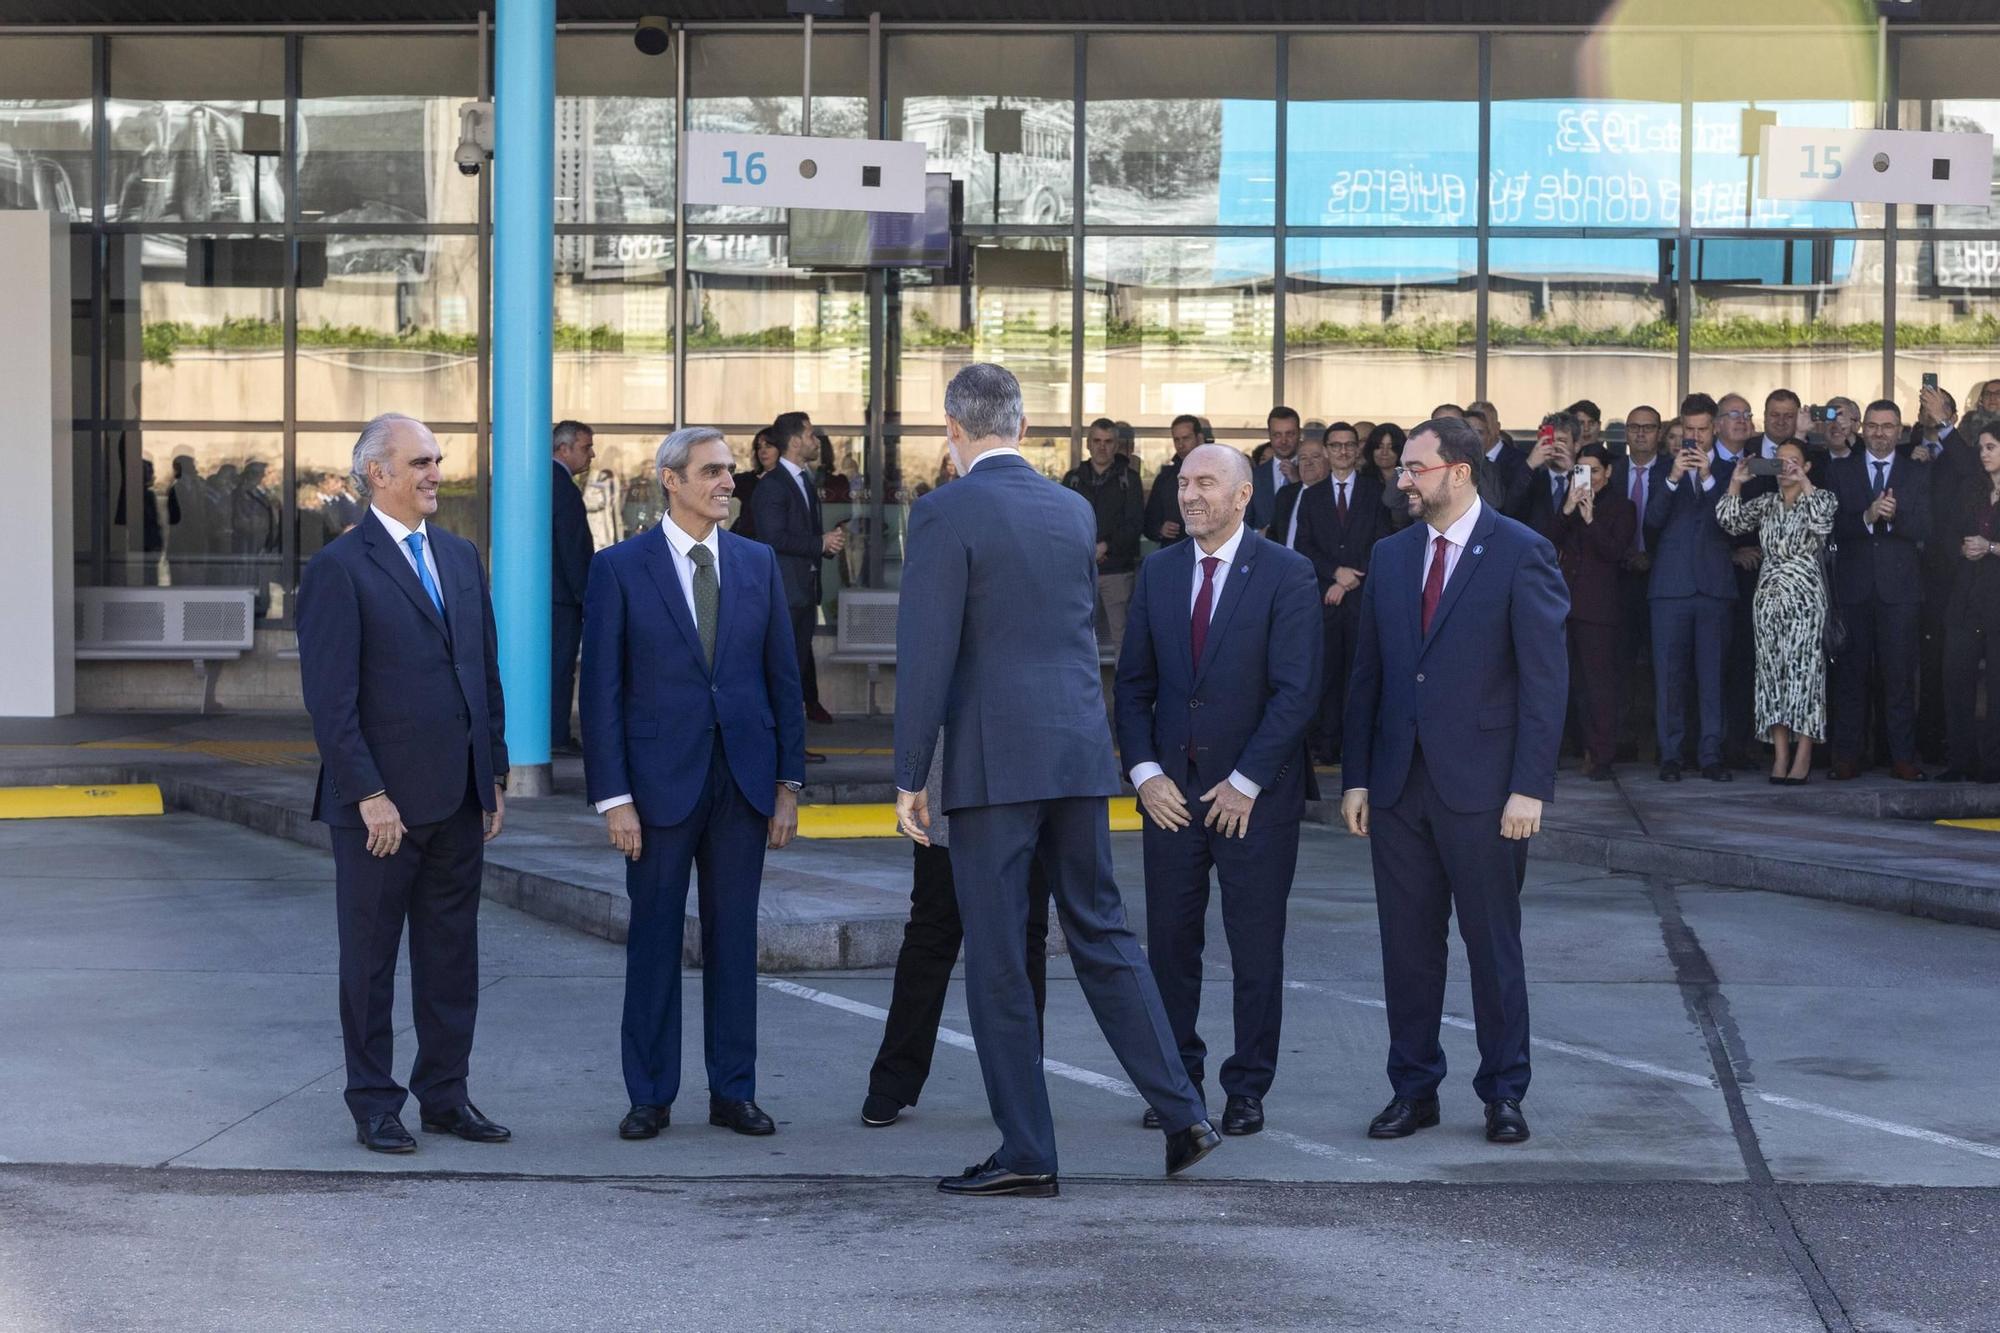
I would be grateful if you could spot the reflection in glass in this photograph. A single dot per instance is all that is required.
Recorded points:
(763, 338)
(327, 503)
(1181, 129)
(1176, 325)
(614, 335)
(620, 496)
(179, 113)
(206, 511)
(1379, 329)
(378, 120)
(1805, 315)
(1015, 311)
(183, 350)
(1361, 150)
(1570, 319)
(614, 131)
(1946, 320)
(1946, 82)
(45, 126)
(744, 83)
(944, 89)
(394, 328)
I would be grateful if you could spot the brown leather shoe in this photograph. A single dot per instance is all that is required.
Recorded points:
(1845, 770)
(1908, 773)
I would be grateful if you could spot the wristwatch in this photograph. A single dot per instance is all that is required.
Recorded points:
(794, 786)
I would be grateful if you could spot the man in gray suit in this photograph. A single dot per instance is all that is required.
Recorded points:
(996, 641)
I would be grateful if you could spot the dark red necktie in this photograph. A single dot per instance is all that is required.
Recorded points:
(1434, 581)
(1204, 602)
(1340, 502)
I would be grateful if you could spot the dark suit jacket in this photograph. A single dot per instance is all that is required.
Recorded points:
(787, 524)
(1330, 544)
(1282, 505)
(1263, 494)
(1483, 693)
(651, 706)
(1246, 705)
(402, 699)
(1592, 553)
(996, 640)
(1507, 487)
(1163, 503)
(1690, 549)
(571, 545)
(1884, 565)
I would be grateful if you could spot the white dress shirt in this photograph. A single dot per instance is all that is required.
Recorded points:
(1292, 527)
(1718, 454)
(679, 543)
(1225, 555)
(1003, 451)
(401, 535)
(1456, 536)
(1888, 466)
(1278, 478)
(799, 476)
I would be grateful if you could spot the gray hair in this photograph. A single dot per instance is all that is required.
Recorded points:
(985, 400)
(674, 450)
(372, 446)
(1838, 401)
(567, 431)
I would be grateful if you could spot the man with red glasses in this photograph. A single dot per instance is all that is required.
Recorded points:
(1454, 714)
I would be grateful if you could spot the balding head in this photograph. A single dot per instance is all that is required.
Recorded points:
(1215, 489)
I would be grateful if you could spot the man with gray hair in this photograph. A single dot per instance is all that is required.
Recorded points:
(693, 751)
(402, 680)
(996, 642)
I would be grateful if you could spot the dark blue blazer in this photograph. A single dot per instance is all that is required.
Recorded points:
(571, 546)
(996, 642)
(788, 525)
(1886, 565)
(1689, 548)
(651, 706)
(402, 700)
(1246, 705)
(1484, 693)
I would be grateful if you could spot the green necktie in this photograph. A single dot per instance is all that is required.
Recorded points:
(707, 598)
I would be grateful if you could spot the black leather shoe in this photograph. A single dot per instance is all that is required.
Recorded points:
(1187, 1146)
(1718, 773)
(466, 1122)
(1505, 1123)
(877, 1110)
(1670, 772)
(991, 1178)
(1151, 1119)
(383, 1133)
(1403, 1117)
(1242, 1115)
(643, 1122)
(743, 1117)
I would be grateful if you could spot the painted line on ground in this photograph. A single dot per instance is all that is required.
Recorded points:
(1074, 1073)
(1591, 1053)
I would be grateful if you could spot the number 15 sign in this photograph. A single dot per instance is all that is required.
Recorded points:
(792, 171)
(1876, 166)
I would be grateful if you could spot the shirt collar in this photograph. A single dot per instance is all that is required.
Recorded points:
(1723, 453)
(798, 473)
(1226, 552)
(681, 544)
(398, 531)
(1768, 447)
(1493, 454)
(1460, 532)
(1004, 451)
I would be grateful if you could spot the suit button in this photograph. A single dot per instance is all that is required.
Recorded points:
(1420, 678)
(1194, 703)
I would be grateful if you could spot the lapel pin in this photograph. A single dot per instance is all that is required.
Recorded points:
(1478, 550)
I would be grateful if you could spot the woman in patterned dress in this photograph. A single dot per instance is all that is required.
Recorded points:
(1792, 522)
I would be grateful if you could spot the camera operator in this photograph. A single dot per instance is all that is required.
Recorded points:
(1592, 534)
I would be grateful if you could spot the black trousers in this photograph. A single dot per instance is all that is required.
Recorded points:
(1972, 652)
(565, 640)
(1341, 626)
(1739, 673)
(432, 882)
(1635, 663)
(1881, 636)
(804, 620)
(931, 939)
(1598, 685)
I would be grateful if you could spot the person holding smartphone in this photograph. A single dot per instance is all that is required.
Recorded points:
(1591, 536)
(1693, 586)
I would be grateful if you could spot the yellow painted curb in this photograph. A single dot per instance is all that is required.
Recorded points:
(879, 821)
(140, 798)
(1983, 825)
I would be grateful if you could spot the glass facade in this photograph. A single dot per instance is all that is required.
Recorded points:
(271, 244)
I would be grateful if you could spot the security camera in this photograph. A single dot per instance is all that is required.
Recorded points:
(652, 35)
(475, 137)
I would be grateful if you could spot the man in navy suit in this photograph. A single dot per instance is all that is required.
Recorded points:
(570, 550)
(1218, 680)
(996, 642)
(1280, 471)
(1884, 518)
(1692, 590)
(1454, 717)
(397, 657)
(693, 751)
(1339, 536)
(787, 519)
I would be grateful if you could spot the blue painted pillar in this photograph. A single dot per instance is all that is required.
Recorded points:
(523, 330)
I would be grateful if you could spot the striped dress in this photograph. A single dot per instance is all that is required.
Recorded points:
(1790, 609)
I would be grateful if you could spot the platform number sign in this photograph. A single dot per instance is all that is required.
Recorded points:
(1875, 166)
(793, 171)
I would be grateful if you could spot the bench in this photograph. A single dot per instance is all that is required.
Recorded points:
(865, 633)
(199, 625)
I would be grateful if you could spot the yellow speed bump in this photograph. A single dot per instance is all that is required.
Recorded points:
(879, 821)
(139, 798)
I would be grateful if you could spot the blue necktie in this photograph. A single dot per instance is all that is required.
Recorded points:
(415, 541)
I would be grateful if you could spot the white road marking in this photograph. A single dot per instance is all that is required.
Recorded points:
(1800, 1105)
(1076, 1074)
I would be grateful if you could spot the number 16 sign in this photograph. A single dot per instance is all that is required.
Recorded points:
(792, 171)
(1876, 166)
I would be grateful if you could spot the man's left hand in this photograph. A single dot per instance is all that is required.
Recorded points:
(1522, 818)
(913, 816)
(1228, 810)
(498, 814)
(1334, 594)
(784, 818)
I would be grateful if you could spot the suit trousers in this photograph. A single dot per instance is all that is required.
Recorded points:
(923, 972)
(432, 882)
(1593, 666)
(1256, 873)
(722, 840)
(991, 848)
(1974, 742)
(1341, 628)
(565, 639)
(1882, 636)
(1430, 860)
(805, 619)
(1690, 641)
(1635, 662)
(1739, 672)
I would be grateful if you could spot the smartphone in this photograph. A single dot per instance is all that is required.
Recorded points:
(1580, 474)
(1930, 379)
(1546, 435)
(1764, 467)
